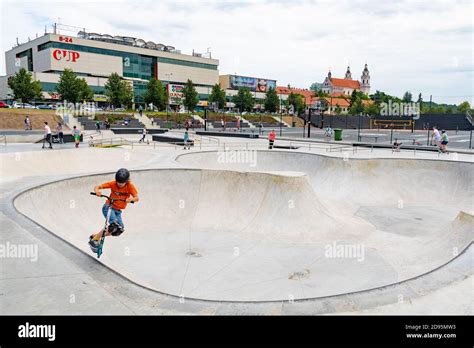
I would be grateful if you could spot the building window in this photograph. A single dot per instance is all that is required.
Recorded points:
(134, 65)
(29, 54)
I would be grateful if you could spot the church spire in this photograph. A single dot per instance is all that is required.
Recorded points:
(365, 80)
(348, 75)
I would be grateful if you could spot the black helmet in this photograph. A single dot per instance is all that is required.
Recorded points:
(122, 175)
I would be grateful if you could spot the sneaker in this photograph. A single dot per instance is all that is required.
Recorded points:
(94, 245)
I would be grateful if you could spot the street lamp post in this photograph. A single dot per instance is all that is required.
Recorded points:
(309, 122)
(168, 105)
(281, 119)
(358, 130)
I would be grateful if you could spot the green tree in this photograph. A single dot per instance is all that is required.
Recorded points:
(272, 102)
(190, 96)
(297, 101)
(321, 94)
(372, 109)
(407, 97)
(155, 94)
(85, 92)
(315, 86)
(244, 100)
(464, 107)
(118, 91)
(217, 96)
(357, 107)
(24, 87)
(73, 89)
(420, 102)
(337, 110)
(353, 97)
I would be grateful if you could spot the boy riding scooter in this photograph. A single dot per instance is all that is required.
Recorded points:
(122, 191)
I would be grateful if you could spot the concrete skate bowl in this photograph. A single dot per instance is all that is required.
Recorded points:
(326, 228)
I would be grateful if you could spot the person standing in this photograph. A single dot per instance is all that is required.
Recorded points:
(436, 137)
(271, 139)
(144, 132)
(27, 123)
(187, 143)
(59, 132)
(444, 141)
(76, 133)
(47, 135)
(97, 126)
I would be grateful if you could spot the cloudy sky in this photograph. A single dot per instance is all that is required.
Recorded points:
(420, 46)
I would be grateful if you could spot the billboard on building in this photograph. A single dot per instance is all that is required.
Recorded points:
(175, 93)
(252, 83)
(264, 85)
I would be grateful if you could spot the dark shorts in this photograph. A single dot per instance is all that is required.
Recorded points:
(444, 142)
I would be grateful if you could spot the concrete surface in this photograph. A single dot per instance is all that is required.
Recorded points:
(218, 231)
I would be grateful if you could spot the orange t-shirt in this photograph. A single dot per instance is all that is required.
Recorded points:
(119, 192)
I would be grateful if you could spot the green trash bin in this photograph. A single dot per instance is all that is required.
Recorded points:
(338, 134)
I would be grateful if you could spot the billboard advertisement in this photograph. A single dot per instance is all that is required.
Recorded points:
(252, 83)
(264, 85)
(237, 82)
(175, 93)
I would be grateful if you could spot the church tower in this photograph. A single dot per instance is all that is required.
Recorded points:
(365, 80)
(348, 75)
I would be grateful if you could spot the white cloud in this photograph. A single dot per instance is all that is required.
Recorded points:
(409, 45)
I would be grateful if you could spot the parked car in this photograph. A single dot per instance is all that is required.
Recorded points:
(44, 107)
(23, 106)
(119, 109)
(4, 105)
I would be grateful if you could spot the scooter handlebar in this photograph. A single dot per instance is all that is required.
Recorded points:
(114, 199)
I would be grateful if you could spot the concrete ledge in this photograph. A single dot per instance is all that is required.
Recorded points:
(228, 134)
(170, 139)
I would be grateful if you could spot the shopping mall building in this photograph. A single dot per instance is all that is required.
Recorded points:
(95, 56)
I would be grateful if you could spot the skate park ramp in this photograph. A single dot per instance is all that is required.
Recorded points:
(288, 226)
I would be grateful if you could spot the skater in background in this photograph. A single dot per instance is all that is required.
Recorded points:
(144, 133)
(47, 135)
(444, 141)
(436, 137)
(271, 139)
(187, 142)
(27, 123)
(328, 133)
(59, 132)
(76, 133)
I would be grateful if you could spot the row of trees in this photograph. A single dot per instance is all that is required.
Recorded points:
(119, 92)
